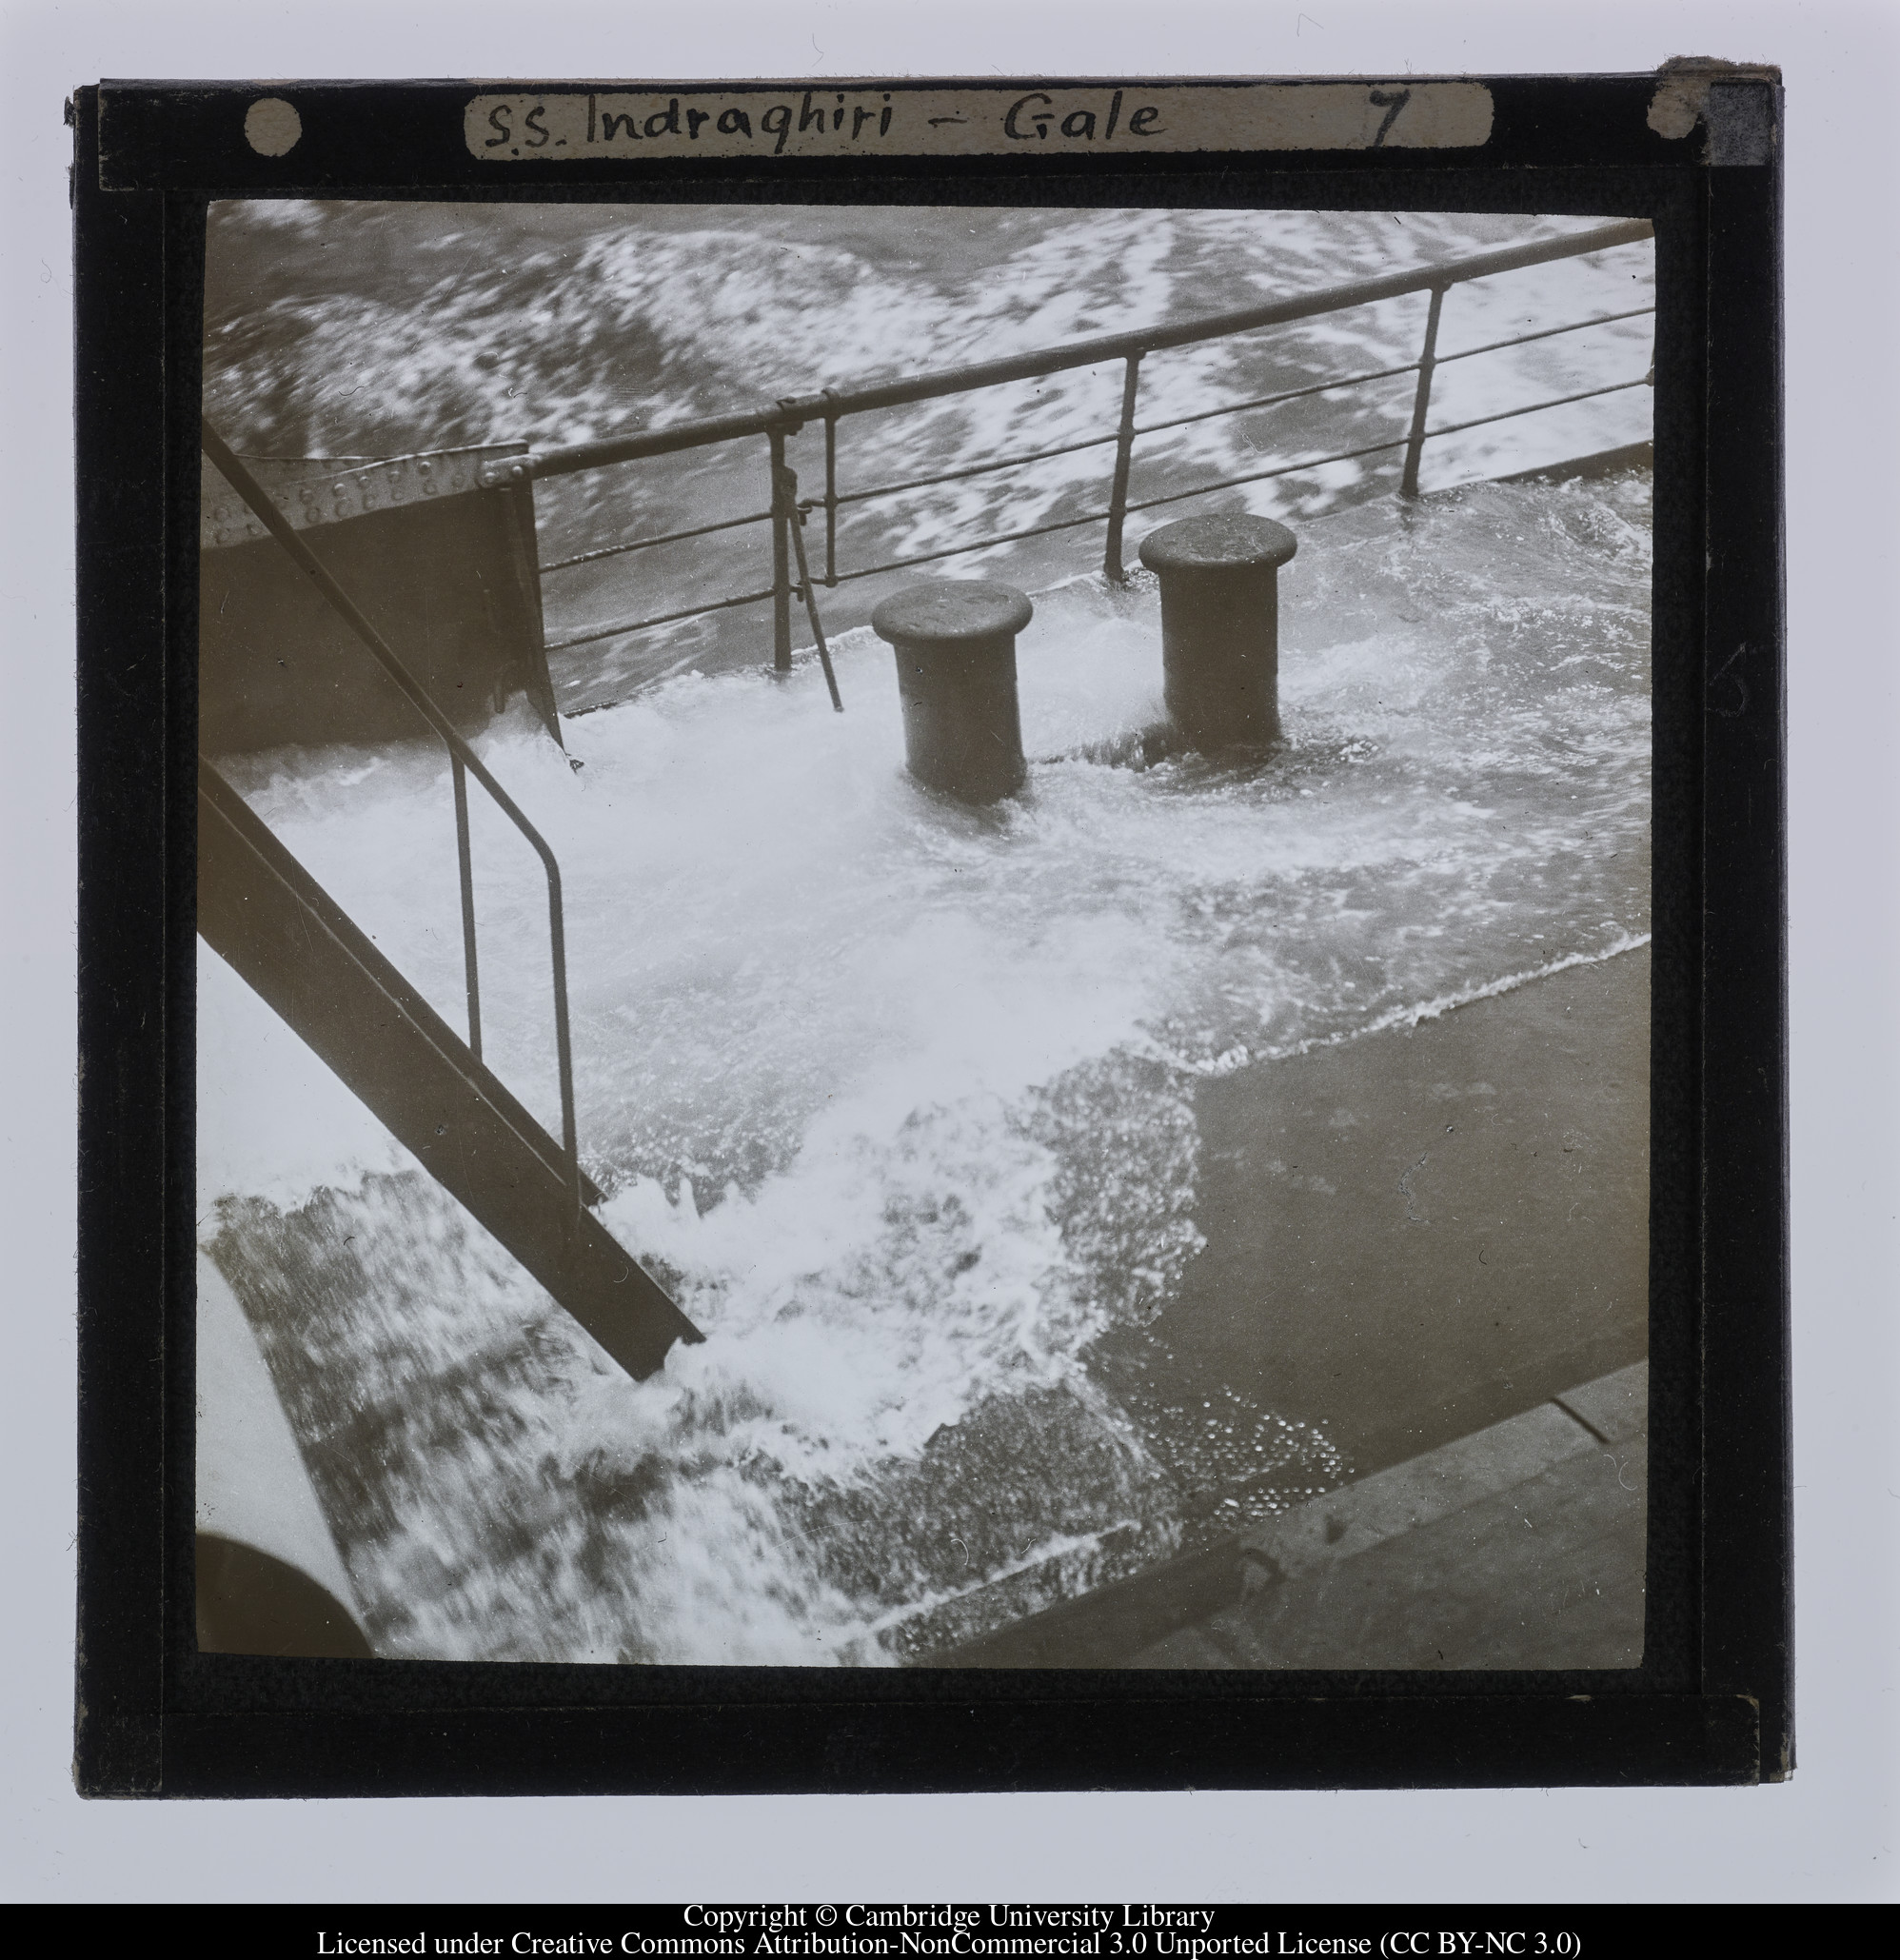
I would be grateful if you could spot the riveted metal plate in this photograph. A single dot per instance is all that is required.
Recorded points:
(324, 490)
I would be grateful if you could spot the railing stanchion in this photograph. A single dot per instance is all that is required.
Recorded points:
(781, 559)
(467, 868)
(830, 499)
(1421, 402)
(787, 487)
(1118, 499)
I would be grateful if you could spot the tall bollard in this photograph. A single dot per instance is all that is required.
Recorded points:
(955, 641)
(1220, 626)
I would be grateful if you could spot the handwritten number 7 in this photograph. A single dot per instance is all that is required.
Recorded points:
(1391, 104)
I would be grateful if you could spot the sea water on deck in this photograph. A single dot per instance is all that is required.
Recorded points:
(957, 1132)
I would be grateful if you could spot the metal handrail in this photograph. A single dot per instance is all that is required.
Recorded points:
(782, 419)
(464, 761)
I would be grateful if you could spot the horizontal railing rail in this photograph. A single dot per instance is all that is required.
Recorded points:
(776, 421)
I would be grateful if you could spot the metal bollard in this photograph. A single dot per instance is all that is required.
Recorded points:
(955, 641)
(1220, 626)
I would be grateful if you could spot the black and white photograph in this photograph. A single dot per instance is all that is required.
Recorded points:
(924, 934)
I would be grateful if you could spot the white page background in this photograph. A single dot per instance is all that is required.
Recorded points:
(1828, 1835)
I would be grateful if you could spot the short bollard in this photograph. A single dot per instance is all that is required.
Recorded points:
(955, 641)
(1220, 626)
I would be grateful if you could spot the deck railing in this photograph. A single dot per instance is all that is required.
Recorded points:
(786, 512)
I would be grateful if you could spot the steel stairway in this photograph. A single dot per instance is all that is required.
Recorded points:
(264, 914)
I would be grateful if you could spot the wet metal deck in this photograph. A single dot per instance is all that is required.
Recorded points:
(1519, 1546)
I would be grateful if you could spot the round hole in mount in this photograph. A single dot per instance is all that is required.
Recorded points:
(271, 126)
